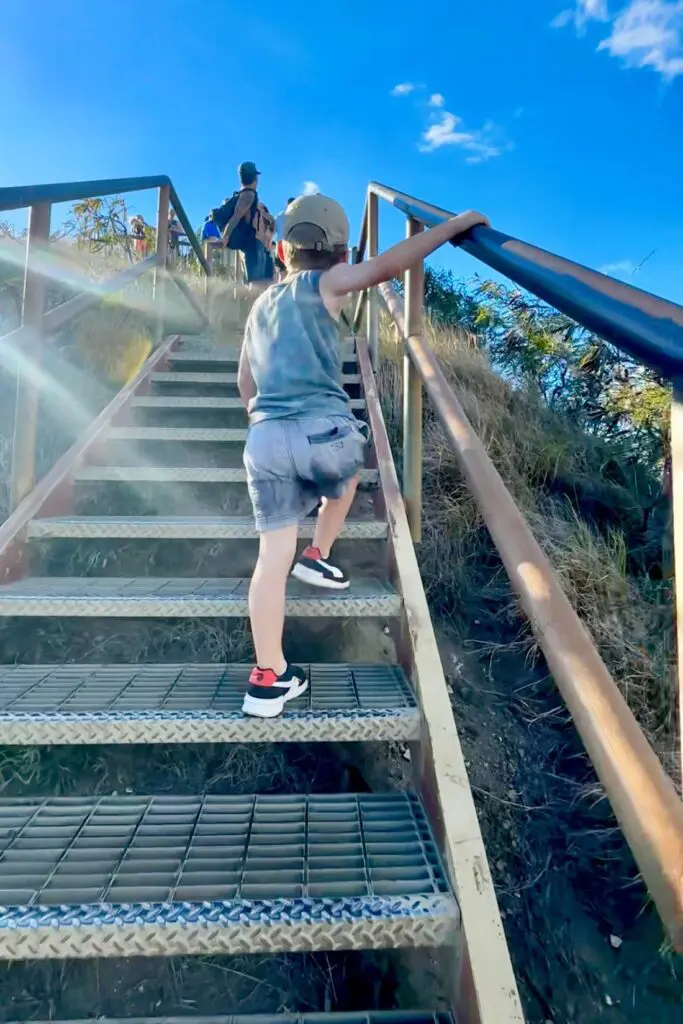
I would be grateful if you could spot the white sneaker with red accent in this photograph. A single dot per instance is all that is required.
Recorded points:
(314, 569)
(268, 693)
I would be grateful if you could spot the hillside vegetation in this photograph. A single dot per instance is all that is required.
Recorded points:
(580, 437)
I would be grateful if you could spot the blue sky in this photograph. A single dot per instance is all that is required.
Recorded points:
(562, 123)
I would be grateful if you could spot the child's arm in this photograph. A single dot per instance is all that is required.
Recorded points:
(356, 277)
(245, 379)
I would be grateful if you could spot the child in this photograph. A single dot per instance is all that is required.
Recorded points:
(304, 445)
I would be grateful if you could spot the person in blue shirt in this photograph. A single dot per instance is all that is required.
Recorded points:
(210, 230)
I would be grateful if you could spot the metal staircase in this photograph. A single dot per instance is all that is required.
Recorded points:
(157, 875)
(402, 867)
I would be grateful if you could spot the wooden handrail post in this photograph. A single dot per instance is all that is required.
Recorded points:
(412, 396)
(33, 310)
(373, 249)
(677, 521)
(159, 289)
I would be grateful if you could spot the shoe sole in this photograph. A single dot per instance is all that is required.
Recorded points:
(306, 575)
(272, 708)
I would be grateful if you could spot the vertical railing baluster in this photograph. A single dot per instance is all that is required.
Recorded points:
(412, 396)
(27, 397)
(208, 256)
(159, 289)
(373, 249)
(677, 530)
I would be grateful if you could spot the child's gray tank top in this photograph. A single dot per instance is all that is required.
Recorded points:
(293, 347)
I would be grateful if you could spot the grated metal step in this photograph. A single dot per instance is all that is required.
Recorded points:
(78, 704)
(192, 377)
(155, 597)
(203, 402)
(148, 876)
(334, 1017)
(183, 474)
(182, 528)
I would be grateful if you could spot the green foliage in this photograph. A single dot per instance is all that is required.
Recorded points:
(576, 372)
(450, 303)
(101, 225)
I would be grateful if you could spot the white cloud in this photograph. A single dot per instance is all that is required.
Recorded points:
(436, 100)
(403, 88)
(649, 33)
(643, 33)
(481, 144)
(583, 12)
(310, 189)
(563, 19)
(620, 268)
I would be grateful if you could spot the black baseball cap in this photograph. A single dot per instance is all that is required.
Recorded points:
(248, 170)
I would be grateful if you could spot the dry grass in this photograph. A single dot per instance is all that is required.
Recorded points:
(554, 473)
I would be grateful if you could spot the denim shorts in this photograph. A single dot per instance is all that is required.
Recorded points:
(292, 463)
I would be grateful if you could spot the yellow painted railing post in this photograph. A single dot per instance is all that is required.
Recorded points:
(412, 397)
(33, 309)
(373, 248)
(163, 205)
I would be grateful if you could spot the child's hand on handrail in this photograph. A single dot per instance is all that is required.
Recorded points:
(468, 220)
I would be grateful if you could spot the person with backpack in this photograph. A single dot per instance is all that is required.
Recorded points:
(239, 221)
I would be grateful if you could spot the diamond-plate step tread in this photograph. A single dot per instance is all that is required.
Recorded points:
(231, 354)
(192, 377)
(148, 876)
(183, 474)
(76, 704)
(204, 402)
(331, 1017)
(158, 597)
(183, 528)
(206, 434)
(230, 435)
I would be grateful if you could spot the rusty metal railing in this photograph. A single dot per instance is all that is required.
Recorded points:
(642, 796)
(28, 339)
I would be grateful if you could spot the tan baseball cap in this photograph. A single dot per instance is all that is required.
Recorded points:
(316, 222)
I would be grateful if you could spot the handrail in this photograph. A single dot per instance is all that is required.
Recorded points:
(642, 795)
(36, 322)
(60, 316)
(480, 975)
(649, 328)
(640, 792)
(36, 501)
(18, 196)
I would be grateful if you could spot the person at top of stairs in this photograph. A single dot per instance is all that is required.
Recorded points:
(304, 446)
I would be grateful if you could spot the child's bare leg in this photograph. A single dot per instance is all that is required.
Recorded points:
(331, 518)
(267, 596)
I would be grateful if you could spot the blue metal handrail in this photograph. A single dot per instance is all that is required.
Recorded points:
(19, 196)
(645, 326)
